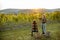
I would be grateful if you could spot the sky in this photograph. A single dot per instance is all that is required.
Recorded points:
(29, 4)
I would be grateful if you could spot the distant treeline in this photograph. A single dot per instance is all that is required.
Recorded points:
(28, 17)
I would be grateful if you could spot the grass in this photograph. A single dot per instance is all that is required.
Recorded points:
(24, 33)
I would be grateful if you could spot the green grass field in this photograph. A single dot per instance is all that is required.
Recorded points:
(24, 33)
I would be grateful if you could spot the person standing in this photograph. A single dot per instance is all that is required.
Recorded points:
(34, 28)
(43, 21)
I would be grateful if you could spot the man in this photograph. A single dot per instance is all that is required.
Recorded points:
(34, 28)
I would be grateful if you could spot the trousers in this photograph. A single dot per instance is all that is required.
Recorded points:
(43, 28)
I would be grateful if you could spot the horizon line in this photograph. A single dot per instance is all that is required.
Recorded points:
(29, 8)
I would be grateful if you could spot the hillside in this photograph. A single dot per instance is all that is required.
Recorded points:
(25, 10)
